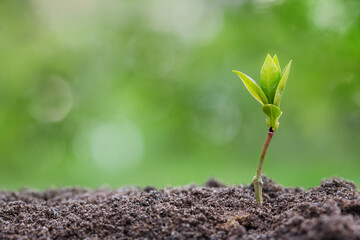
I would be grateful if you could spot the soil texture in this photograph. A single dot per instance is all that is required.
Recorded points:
(330, 211)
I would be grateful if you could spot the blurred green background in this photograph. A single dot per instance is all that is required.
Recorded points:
(141, 92)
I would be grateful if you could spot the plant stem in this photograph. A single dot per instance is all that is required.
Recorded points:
(257, 182)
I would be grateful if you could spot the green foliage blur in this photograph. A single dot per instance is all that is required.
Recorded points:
(118, 93)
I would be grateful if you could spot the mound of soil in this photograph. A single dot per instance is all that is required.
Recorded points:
(329, 211)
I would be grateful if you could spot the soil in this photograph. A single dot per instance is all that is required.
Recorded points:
(214, 211)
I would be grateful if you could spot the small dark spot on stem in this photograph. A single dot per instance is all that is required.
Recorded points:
(271, 129)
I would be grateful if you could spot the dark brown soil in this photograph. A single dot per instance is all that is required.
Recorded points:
(329, 211)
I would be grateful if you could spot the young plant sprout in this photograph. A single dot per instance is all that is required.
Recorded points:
(272, 82)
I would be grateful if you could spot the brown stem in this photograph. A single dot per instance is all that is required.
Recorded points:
(257, 179)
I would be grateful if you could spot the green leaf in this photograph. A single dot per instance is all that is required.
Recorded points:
(252, 87)
(269, 78)
(281, 85)
(276, 61)
(273, 113)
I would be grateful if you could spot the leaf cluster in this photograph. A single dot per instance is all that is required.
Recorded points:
(270, 91)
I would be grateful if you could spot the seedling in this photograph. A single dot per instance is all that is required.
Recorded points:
(272, 82)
